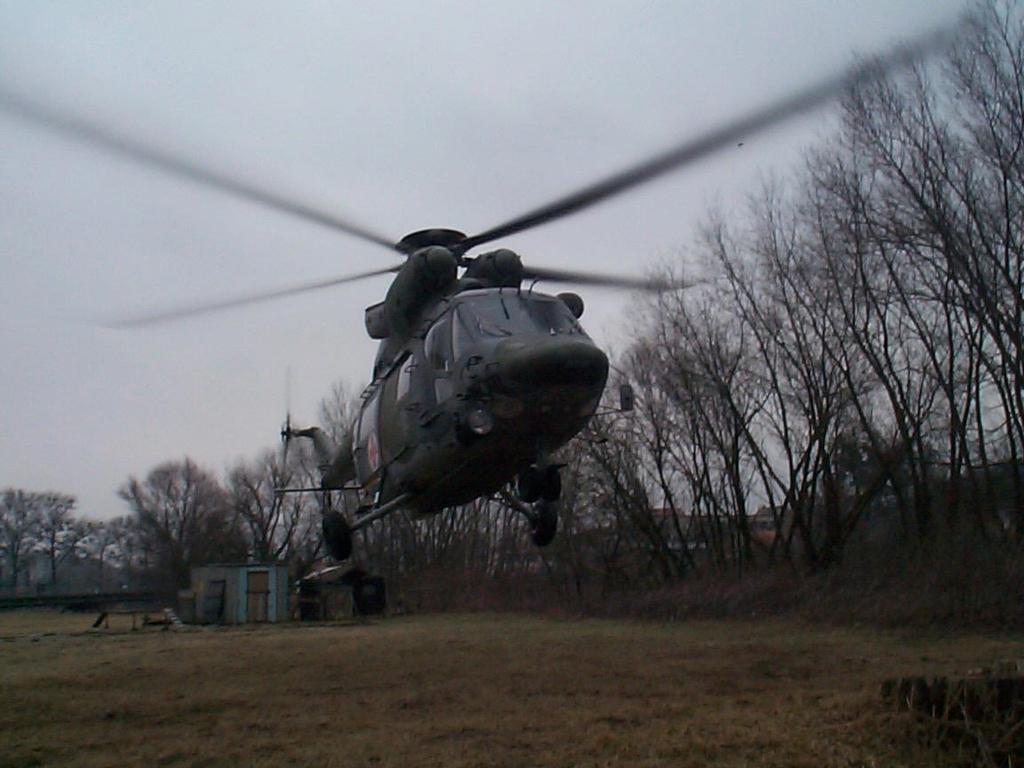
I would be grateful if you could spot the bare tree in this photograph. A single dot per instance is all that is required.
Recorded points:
(338, 411)
(58, 533)
(279, 525)
(101, 545)
(20, 513)
(184, 519)
(918, 213)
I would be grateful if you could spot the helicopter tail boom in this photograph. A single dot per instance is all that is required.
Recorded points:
(336, 464)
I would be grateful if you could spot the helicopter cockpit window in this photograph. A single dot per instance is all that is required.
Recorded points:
(495, 315)
(552, 315)
(437, 345)
(471, 324)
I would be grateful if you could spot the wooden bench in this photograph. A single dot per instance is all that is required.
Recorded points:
(165, 620)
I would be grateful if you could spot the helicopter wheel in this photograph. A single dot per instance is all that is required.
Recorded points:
(530, 484)
(544, 525)
(337, 535)
(551, 487)
(535, 483)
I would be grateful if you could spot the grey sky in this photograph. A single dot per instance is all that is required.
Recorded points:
(401, 115)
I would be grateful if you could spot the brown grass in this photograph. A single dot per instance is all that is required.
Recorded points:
(482, 690)
(43, 622)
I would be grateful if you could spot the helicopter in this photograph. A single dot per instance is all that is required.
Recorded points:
(479, 378)
(477, 381)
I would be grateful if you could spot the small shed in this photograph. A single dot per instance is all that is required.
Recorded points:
(339, 591)
(239, 593)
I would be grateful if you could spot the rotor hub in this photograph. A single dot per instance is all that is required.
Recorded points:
(424, 238)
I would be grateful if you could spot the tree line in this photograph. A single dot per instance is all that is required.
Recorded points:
(179, 515)
(854, 363)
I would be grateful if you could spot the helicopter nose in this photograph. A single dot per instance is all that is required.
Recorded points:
(558, 360)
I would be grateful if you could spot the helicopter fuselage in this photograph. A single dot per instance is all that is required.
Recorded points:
(489, 380)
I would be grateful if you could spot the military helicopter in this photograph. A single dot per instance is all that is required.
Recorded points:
(479, 378)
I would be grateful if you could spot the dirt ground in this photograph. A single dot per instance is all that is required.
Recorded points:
(478, 690)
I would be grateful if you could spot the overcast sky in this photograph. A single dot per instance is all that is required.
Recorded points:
(400, 115)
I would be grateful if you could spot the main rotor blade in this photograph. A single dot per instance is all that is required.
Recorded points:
(82, 130)
(608, 281)
(194, 310)
(694, 149)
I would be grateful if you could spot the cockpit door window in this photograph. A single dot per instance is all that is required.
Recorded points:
(438, 350)
(405, 377)
(438, 345)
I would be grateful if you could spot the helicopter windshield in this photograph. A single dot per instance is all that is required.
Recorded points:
(498, 314)
(553, 316)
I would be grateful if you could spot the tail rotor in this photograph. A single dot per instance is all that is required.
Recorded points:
(286, 429)
(286, 437)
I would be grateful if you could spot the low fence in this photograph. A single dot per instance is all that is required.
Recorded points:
(81, 602)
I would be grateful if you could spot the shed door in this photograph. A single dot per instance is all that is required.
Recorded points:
(213, 602)
(258, 598)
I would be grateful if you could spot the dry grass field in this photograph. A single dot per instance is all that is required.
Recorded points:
(479, 690)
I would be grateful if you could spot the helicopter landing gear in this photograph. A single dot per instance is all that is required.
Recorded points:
(536, 483)
(337, 535)
(544, 523)
(542, 516)
(540, 486)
